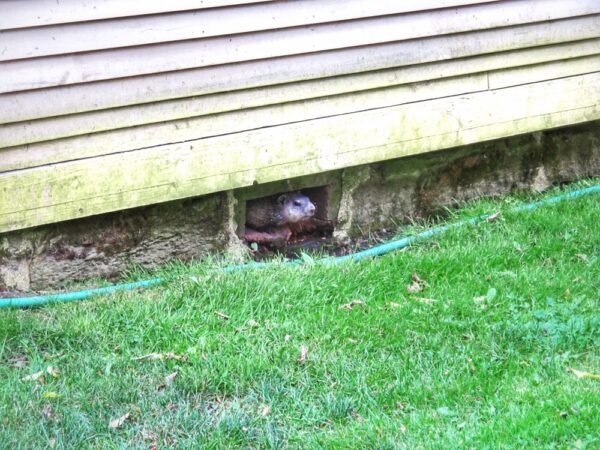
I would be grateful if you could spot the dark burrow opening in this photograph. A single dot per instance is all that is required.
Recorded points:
(284, 223)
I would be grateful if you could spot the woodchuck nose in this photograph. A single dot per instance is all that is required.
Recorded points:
(275, 212)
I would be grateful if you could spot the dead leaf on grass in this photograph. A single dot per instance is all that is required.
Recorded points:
(149, 435)
(426, 301)
(493, 217)
(481, 301)
(265, 411)
(168, 381)
(48, 412)
(417, 284)
(18, 362)
(356, 416)
(287, 338)
(402, 428)
(221, 315)
(160, 356)
(303, 354)
(170, 378)
(117, 423)
(50, 395)
(444, 411)
(52, 371)
(583, 374)
(352, 304)
(394, 305)
(199, 279)
(48, 356)
(171, 406)
(38, 376)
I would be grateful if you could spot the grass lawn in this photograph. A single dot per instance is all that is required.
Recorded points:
(477, 353)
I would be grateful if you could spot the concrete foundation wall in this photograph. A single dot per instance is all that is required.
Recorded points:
(356, 199)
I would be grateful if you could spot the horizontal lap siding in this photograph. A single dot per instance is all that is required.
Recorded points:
(196, 115)
(125, 62)
(169, 27)
(52, 12)
(485, 46)
(186, 86)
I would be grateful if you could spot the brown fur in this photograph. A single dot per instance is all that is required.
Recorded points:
(273, 219)
(282, 210)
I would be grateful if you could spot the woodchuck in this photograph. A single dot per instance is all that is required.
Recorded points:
(269, 219)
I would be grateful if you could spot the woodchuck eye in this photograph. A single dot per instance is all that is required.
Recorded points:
(297, 203)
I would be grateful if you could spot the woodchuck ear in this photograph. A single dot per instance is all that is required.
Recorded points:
(281, 199)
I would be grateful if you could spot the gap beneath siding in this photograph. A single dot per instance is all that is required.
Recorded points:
(360, 199)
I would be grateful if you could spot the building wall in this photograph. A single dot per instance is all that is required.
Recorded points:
(369, 200)
(107, 105)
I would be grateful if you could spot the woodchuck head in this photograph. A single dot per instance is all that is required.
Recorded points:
(294, 208)
(277, 211)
